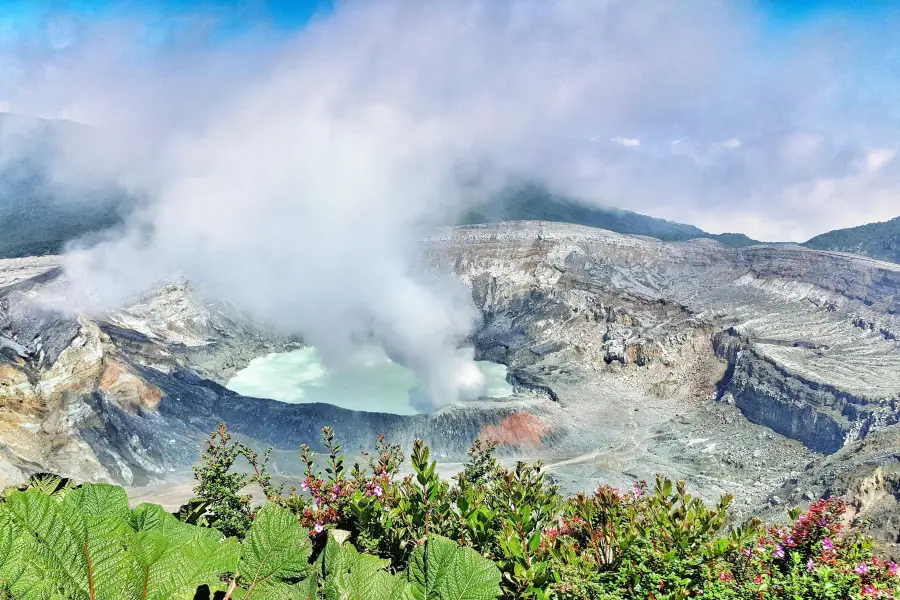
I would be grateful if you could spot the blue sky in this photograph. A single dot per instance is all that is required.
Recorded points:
(789, 12)
(20, 18)
(54, 24)
(780, 121)
(28, 19)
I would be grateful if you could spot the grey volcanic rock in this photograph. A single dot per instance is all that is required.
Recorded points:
(810, 338)
(867, 474)
(731, 368)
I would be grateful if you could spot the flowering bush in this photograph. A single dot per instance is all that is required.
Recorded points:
(813, 558)
(643, 543)
(652, 543)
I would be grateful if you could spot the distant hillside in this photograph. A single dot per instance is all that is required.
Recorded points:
(877, 240)
(38, 214)
(530, 201)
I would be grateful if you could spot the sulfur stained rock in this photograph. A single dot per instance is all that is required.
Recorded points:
(127, 388)
(17, 395)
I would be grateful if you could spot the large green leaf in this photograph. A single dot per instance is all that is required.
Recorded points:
(350, 575)
(91, 546)
(14, 551)
(172, 559)
(441, 570)
(86, 556)
(100, 500)
(152, 517)
(274, 556)
(173, 568)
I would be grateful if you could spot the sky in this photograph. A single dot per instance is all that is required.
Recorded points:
(828, 70)
(842, 49)
(291, 154)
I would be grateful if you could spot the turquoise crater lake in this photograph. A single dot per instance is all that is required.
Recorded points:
(370, 382)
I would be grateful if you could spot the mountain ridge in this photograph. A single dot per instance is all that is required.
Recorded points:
(880, 240)
(530, 201)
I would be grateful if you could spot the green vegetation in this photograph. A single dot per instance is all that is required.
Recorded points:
(878, 240)
(533, 202)
(366, 532)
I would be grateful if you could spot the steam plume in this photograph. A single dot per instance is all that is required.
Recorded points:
(294, 177)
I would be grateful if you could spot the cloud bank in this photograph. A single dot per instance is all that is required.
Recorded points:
(293, 174)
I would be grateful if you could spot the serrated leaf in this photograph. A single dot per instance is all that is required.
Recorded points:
(170, 568)
(52, 485)
(85, 555)
(100, 500)
(441, 570)
(15, 547)
(152, 517)
(350, 575)
(274, 555)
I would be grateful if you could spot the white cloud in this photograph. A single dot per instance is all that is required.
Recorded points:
(876, 159)
(627, 142)
(295, 176)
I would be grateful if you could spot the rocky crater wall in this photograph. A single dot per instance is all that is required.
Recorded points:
(808, 338)
(610, 340)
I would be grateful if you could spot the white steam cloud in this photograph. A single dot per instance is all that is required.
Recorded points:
(293, 176)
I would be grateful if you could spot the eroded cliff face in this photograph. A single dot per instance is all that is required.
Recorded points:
(809, 339)
(730, 368)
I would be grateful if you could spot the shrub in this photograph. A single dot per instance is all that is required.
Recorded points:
(91, 545)
(368, 532)
(218, 501)
(657, 542)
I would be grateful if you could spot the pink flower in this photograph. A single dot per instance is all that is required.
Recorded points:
(747, 551)
(826, 543)
(377, 491)
(724, 576)
(319, 528)
(892, 569)
(304, 485)
(810, 565)
(779, 552)
(862, 569)
(869, 590)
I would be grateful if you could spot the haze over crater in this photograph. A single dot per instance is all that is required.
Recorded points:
(293, 174)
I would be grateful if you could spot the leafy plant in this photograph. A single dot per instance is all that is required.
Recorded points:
(490, 532)
(440, 569)
(52, 485)
(274, 561)
(92, 546)
(218, 501)
(349, 575)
